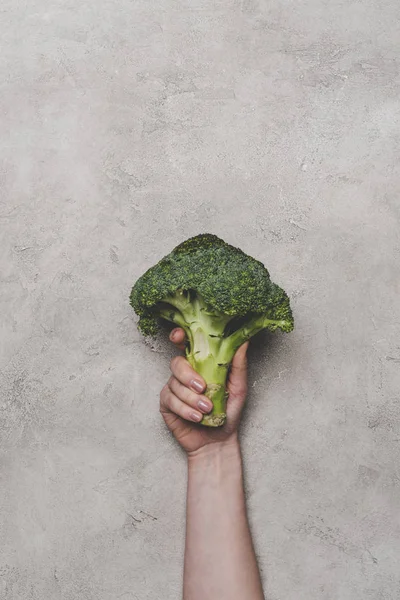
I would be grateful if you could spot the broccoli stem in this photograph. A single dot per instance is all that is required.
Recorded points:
(204, 330)
(207, 357)
(215, 376)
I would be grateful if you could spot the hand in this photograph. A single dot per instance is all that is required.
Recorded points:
(182, 404)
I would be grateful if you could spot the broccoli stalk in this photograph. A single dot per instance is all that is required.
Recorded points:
(206, 349)
(220, 297)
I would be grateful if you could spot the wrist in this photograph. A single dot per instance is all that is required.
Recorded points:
(226, 450)
(216, 469)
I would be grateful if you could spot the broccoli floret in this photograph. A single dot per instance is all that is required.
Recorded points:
(221, 297)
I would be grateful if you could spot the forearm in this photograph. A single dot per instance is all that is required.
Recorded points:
(220, 563)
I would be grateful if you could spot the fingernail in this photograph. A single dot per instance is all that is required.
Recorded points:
(173, 334)
(196, 417)
(204, 406)
(197, 386)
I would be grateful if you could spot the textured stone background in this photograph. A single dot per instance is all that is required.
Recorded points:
(126, 127)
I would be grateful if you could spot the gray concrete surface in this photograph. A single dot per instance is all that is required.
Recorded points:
(126, 127)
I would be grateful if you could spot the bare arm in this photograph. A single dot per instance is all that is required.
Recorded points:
(220, 563)
(219, 557)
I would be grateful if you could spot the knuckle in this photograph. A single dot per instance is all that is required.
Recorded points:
(168, 400)
(242, 391)
(187, 414)
(165, 398)
(189, 397)
(175, 362)
(239, 391)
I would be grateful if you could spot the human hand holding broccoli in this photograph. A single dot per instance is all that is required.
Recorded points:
(220, 297)
(183, 404)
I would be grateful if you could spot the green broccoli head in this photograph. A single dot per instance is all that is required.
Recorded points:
(229, 282)
(218, 294)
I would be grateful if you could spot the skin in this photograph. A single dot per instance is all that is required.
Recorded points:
(220, 562)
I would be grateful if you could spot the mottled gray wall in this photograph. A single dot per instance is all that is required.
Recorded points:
(125, 127)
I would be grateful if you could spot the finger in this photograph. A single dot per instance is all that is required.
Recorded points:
(185, 374)
(178, 337)
(171, 404)
(238, 374)
(237, 386)
(190, 398)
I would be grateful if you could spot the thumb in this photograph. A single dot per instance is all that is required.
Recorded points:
(237, 384)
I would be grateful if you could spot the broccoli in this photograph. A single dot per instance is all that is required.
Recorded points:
(221, 297)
